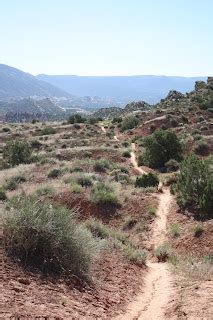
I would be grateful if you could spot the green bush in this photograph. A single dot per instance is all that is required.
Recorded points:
(5, 129)
(3, 196)
(85, 180)
(48, 130)
(129, 123)
(35, 144)
(54, 173)
(198, 230)
(195, 185)
(201, 147)
(102, 165)
(45, 190)
(147, 180)
(160, 147)
(17, 152)
(103, 194)
(126, 154)
(76, 118)
(175, 230)
(162, 252)
(47, 237)
(172, 165)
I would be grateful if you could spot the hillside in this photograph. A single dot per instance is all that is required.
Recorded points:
(110, 218)
(122, 88)
(15, 83)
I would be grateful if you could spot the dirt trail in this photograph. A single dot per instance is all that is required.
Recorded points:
(151, 303)
(103, 129)
(134, 161)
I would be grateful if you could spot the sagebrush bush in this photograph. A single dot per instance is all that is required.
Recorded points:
(172, 165)
(103, 194)
(47, 237)
(3, 196)
(147, 180)
(17, 152)
(162, 252)
(201, 147)
(102, 165)
(45, 190)
(48, 130)
(13, 182)
(54, 173)
(126, 154)
(175, 230)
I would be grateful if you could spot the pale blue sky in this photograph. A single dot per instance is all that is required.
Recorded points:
(108, 37)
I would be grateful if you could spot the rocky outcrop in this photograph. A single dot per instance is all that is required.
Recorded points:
(199, 85)
(174, 95)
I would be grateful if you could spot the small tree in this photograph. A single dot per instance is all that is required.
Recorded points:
(129, 123)
(147, 180)
(160, 147)
(195, 185)
(16, 152)
(76, 118)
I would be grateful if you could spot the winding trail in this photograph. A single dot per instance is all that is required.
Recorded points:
(134, 161)
(152, 301)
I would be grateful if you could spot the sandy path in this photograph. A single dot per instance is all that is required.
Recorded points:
(103, 129)
(134, 161)
(151, 303)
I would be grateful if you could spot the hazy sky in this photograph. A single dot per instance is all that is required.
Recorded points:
(108, 37)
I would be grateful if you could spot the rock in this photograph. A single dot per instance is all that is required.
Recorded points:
(24, 281)
(174, 95)
(200, 85)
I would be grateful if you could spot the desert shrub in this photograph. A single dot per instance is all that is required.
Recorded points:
(123, 169)
(45, 190)
(172, 165)
(5, 129)
(129, 123)
(34, 121)
(75, 188)
(76, 118)
(3, 196)
(147, 180)
(35, 144)
(125, 144)
(77, 126)
(174, 122)
(13, 182)
(126, 154)
(160, 147)
(201, 147)
(195, 184)
(135, 255)
(117, 120)
(102, 165)
(47, 237)
(85, 180)
(162, 252)
(48, 130)
(54, 173)
(103, 194)
(198, 230)
(197, 137)
(17, 152)
(97, 228)
(152, 211)
(175, 230)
